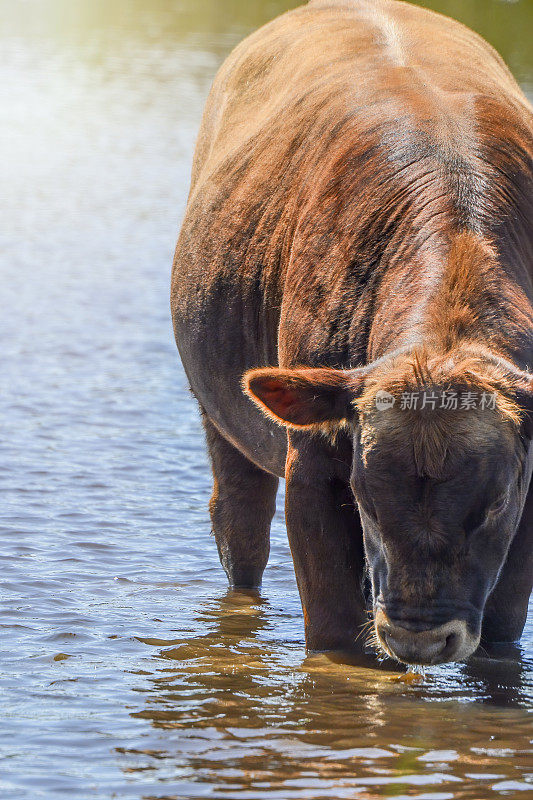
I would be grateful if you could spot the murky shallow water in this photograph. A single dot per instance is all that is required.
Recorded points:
(127, 669)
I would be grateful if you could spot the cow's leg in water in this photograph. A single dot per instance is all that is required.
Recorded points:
(242, 506)
(506, 609)
(326, 541)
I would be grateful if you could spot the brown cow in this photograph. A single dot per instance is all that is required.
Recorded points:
(358, 244)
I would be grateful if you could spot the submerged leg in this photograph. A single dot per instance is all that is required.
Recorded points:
(326, 541)
(506, 610)
(242, 506)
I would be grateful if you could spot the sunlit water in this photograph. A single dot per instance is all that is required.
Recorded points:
(127, 669)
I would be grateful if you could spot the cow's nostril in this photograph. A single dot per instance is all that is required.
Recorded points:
(451, 642)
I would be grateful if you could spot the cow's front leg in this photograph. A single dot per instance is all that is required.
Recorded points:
(506, 610)
(242, 506)
(326, 541)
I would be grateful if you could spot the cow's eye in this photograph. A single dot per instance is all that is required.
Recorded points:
(498, 505)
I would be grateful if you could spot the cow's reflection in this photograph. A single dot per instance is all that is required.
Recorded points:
(503, 674)
(237, 705)
(238, 670)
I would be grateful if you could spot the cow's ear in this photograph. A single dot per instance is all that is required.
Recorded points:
(524, 398)
(301, 398)
(524, 390)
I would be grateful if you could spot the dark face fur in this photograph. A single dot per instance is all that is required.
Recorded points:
(436, 534)
(440, 495)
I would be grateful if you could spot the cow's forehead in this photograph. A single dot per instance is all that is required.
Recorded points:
(435, 442)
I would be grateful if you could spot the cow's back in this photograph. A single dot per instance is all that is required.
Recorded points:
(285, 109)
(343, 52)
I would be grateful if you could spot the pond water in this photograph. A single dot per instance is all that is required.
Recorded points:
(127, 669)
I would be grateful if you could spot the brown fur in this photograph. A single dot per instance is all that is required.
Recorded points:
(424, 370)
(362, 186)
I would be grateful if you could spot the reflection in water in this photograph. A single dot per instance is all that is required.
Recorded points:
(504, 676)
(122, 673)
(243, 712)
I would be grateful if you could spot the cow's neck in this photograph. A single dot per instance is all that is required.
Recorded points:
(459, 296)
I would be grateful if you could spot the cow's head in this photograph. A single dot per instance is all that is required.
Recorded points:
(440, 480)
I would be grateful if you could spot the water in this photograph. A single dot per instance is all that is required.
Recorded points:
(127, 670)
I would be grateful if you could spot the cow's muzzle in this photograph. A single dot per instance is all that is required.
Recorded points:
(451, 641)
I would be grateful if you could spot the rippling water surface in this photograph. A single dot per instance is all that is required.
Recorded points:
(127, 668)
